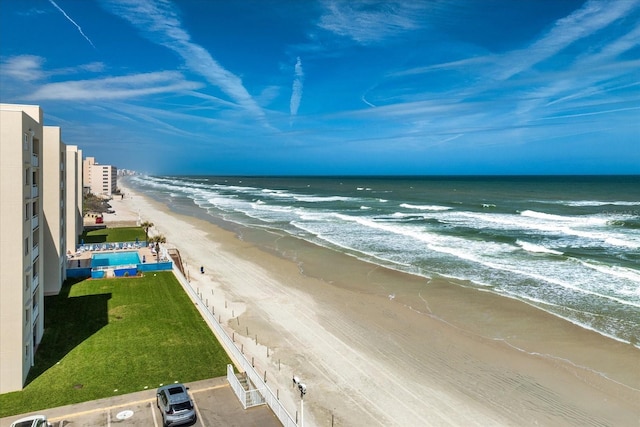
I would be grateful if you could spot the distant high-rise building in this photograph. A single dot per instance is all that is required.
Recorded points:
(100, 179)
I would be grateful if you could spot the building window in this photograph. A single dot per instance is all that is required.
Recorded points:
(26, 246)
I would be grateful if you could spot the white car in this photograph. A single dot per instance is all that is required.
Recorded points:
(32, 421)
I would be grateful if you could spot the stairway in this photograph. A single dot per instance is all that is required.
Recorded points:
(252, 396)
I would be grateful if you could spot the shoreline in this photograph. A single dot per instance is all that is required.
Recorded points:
(436, 353)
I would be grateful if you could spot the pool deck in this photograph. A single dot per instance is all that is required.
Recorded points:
(82, 259)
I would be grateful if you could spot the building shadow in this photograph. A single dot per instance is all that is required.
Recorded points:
(100, 238)
(68, 322)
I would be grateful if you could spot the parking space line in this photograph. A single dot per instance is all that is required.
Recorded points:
(153, 415)
(195, 406)
(209, 388)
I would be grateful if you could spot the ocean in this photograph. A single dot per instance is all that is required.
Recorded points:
(567, 245)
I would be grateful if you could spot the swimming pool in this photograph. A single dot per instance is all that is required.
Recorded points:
(113, 259)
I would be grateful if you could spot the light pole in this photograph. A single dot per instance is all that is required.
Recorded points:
(303, 390)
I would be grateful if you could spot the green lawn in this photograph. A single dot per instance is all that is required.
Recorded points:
(115, 336)
(120, 234)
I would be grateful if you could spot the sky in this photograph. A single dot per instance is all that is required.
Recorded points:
(332, 87)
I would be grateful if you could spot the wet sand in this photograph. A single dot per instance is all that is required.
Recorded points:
(380, 347)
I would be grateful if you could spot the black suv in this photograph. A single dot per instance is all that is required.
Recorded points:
(175, 405)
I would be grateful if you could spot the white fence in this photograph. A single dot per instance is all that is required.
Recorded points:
(244, 365)
(248, 398)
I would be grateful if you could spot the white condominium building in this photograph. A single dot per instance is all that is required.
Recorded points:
(37, 184)
(21, 237)
(73, 196)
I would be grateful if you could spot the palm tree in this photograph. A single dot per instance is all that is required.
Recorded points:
(157, 239)
(146, 226)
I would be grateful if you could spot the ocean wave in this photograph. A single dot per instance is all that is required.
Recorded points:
(574, 219)
(530, 247)
(318, 199)
(404, 215)
(269, 190)
(632, 224)
(238, 188)
(491, 256)
(262, 206)
(425, 207)
(592, 203)
(614, 270)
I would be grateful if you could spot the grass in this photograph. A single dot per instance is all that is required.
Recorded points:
(120, 234)
(115, 336)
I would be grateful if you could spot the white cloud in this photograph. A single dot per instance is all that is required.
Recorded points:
(72, 21)
(160, 23)
(514, 92)
(371, 21)
(115, 87)
(296, 92)
(23, 68)
(28, 68)
(589, 19)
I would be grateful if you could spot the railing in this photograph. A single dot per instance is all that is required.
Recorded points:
(34, 283)
(34, 160)
(35, 311)
(119, 246)
(248, 398)
(35, 251)
(270, 398)
(114, 267)
(34, 191)
(34, 222)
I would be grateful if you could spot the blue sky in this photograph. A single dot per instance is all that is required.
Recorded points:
(333, 87)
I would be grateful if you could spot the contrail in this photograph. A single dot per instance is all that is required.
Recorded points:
(72, 21)
(296, 94)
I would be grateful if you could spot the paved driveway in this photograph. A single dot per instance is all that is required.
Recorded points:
(214, 401)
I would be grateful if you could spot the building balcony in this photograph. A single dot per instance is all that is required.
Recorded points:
(35, 282)
(34, 160)
(35, 222)
(34, 191)
(34, 253)
(34, 314)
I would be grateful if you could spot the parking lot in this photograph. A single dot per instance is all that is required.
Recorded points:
(214, 400)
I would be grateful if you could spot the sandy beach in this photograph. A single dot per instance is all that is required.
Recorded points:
(437, 353)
